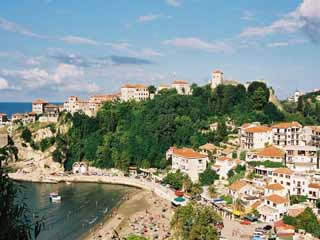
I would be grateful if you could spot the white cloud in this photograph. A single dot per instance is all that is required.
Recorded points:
(306, 17)
(174, 3)
(13, 27)
(65, 71)
(3, 84)
(288, 43)
(196, 43)
(148, 18)
(79, 40)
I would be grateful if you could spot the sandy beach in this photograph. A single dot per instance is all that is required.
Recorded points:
(144, 214)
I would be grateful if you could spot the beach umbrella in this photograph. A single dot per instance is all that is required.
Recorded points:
(179, 199)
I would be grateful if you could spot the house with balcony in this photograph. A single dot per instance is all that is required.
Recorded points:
(136, 92)
(287, 134)
(311, 136)
(255, 137)
(223, 165)
(188, 161)
(182, 87)
(301, 158)
(240, 189)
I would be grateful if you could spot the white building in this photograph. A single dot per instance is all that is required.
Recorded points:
(255, 137)
(287, 133)
(187, 161)
(314, 191)
(182, 87)
(301, 157)
(136, 92)
(270, 153)
(311, 135)
(240, 189)
(296, 96)
(74, 104)
(216, 79)
(96, 102)
(223, 165)
(273, 208)
(38, 106)
(3, 118)
(296, 183)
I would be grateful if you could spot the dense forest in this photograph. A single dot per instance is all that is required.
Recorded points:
(139, 133)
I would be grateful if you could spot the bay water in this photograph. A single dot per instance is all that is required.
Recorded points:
(83, 205)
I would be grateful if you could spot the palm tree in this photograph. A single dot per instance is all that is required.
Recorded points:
(239, 205)
(212, 191)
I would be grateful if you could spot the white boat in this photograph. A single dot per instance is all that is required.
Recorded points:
(54, 197)
(68, 183)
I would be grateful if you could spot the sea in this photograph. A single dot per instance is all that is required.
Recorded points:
(82, 206)
(16, 107)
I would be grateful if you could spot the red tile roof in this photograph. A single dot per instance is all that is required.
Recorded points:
(238, 185)
(39, 101)
(187, 153)
(218, 71)
(287, 125)
(286, 171)
(275, 186)
(258, 129)
(225, 159)
(314, 185)
(134, 86)
(271, 152)
(277, 199)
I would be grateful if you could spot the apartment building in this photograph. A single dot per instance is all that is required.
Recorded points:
(96, 102)
(311, 136)
(287, 133)
(301, 158)
(136, 92)
(223, 165)
(255, 137)
(240, 189)
(188, 161)
(38, 106)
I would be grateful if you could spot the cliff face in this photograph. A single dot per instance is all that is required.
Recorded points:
(31, 157)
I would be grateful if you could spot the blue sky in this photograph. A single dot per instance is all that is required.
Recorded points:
(56, 48)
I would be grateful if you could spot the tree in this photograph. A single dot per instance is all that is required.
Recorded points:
(152, 89)
(258, 99)
(212, 191)
(300, 106)
(26, 135)
(239, 205)
(208, 177)
(295, 199)
(243, 155)
(134, 237)
(175, 179)
(318, 203)
(234, 155)
(195, 221)
(15, 220)
(196, 191)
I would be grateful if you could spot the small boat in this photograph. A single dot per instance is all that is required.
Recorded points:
(68, 183)
(54, 197)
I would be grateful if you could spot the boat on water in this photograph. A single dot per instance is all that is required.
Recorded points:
(68, 183)
(54, 197)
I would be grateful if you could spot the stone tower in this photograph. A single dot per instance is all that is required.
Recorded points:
(216, 79)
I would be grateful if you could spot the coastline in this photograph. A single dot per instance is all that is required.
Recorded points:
(150, 203)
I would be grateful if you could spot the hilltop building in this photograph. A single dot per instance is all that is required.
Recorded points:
(136, 92)
(38, 106)
(217, 79)
(3, 138)
(182, 87)
(296, 96)
(253, 137)
(96, 102)
(187, 161)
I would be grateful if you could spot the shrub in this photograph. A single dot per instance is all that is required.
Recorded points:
(26, 135)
